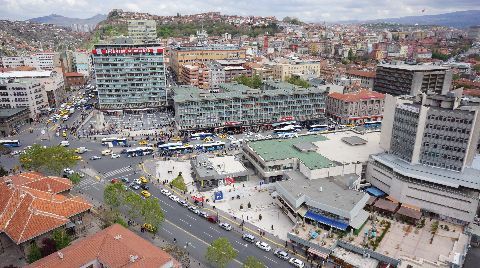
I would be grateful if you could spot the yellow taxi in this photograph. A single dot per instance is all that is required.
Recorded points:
(77, 157)
(149, 227)
(64, 134)
(146, 194)
(208, 139)
(142, 142)
(350, 125)
(176, 138)
(143, 179)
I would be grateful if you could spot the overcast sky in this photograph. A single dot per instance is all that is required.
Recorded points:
(307, 10)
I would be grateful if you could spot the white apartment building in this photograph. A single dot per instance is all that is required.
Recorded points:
(19, 93)
(82, 62)
(40, 61)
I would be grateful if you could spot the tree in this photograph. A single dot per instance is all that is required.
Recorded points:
(252, 262)
(134, 203)
(61, 238)
(3, 172)
(52, 159)
(220, 252)
(109, 217)
(179, 183)
(75, 178)
(114, 195)
(253, 82)
(297, 81)
(34, 253)
(48, 246)
(152, 213)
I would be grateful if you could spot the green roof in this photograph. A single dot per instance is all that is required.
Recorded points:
(280, 149)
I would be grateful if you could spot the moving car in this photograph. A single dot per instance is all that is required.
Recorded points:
(134, 186)
(281, 254)
(94, 157)
(263, 246)
(212, 219)
(225, 226)
(248, 237)
(126, 180)
(296, 262)
(143, 179)
(142, 142)
(77, 157)
(107, 152)
(64, 143)
(115, 156)
(146, 193)
(149, 227)
(165, 192)
(137, 181)
(68, 171)
(114, 181)
(145, 187)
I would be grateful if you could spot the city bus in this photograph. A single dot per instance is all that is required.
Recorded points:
(288, 128)
(10, 143)
(114, 141)
(167, 146)
(201, 136)
(317, 128)
(283, 124)
(139, 151)
(287, 135)
(183, 149)
(373, 124)
(212, 146)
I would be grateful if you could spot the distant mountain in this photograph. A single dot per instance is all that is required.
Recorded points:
(70, 22)
(458, 19)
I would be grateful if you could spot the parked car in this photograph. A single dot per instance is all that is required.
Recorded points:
(226, 226)
(165, 192)
(145, 187)
(212, 219)
(94, 157)
(174, 198)
(134, 186)
(146, 193)
(126, 180)
(68, 171)
(115, 156)
(149, 227)
(263, 246)
(137, 181)
(281, 254)
(296, 262)
(248, 237)
(203, 214)
(183, 203)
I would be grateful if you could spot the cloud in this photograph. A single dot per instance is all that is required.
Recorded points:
(307, 10)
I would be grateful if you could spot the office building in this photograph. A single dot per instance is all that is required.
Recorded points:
(142, 31)
(431, 148)
(356, 107)
(21, 93)
(189, 55)
(243, 106)
(406, 79)
(129, 76)
(283, 71)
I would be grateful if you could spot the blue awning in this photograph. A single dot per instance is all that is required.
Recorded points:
(374, 191)
(327, 221)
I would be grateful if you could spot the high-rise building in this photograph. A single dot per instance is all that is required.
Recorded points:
(406, 79)
(130, 76)
(430, 142)
(142, 31)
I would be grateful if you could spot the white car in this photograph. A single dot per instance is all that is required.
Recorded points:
(115, 156)
(165, 192)
(183, 203)
(174, 198)
(68, 171)
(296, 262)
(225, 226)
(137, 181)
(263, 245)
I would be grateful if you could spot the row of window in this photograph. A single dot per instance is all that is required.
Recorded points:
(445, 137)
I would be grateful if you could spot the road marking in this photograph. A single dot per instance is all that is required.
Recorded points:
(269, 259)
(208, 234)
(185, 222)
(190, 217)
(117, 171)
(168, 231)
(243, 245)
(215, 230)
(165, 203)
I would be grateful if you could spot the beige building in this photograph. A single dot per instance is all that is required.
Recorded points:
(355, 108)
(284, 70)
(194, 75)
(189, 55)
(142, 31)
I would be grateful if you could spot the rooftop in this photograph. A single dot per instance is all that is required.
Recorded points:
(357, 96)
(280, 149)
(413, 67)
(25, 74)
(73, 74)
(114, 246)
(361, 73)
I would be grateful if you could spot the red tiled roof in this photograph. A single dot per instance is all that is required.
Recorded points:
(357, 96)
(31, 206)
(114, 246)
(361, 73)
(73, 74)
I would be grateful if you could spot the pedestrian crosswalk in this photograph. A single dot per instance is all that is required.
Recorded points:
(86, 183)
(117, 171)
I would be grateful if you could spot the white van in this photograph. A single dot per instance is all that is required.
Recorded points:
(65, 143)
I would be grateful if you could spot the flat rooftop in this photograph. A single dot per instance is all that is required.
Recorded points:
(280, 149)
(227, 164)
(335, 149)
(417, 67)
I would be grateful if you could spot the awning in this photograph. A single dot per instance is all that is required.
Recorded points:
(360, 219)
(410, 213)
(374, 191)
(327, 221)
(318, 253)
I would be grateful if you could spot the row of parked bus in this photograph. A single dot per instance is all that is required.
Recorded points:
(289, 128)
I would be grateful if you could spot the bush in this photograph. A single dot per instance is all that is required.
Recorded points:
(380, 238)
(179, 183)
(34, 253)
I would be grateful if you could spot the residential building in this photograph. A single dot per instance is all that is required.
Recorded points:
(188, 55)
(40, 61)
(406, 79)
(82, 63)
(216, 75)
(32, 205)
(115, 246)
(356, 107)
(130, 76)
(142, 31)
(366, 78)
(431, 150)
(233, 69)
(18, 93)
(283, 71)
(11, 119)
(74, 80)
(194, 75)
(243, 106)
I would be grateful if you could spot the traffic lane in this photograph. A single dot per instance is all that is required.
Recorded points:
(208, 231)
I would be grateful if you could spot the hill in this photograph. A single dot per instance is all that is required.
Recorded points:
(458, 19)
(60, 20)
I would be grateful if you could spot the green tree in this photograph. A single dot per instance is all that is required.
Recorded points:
(109, 217)
(134, 203)
(50, 159)
(34, 253)
(3, 171)
(61, 238)
(252, 262)
(220, 252)
(75, 178)
(179, 183)
(253, 82)
(297, 81)
(152, 213)
(114, 195)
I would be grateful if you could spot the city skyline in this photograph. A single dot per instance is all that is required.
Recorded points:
(307, 10)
